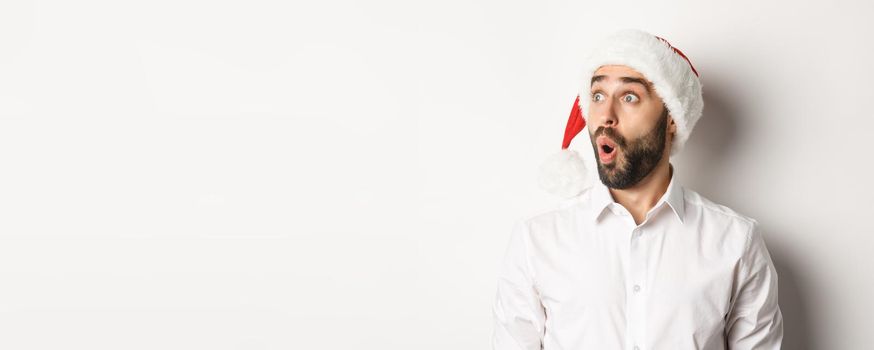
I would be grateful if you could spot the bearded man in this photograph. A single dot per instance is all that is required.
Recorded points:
(635, 261)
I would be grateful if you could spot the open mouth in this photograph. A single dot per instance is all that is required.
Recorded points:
(606, 149)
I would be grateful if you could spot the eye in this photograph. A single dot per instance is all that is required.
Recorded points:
(597, 97)
(630, 98)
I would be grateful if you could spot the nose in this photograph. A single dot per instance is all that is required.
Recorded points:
(607, 114)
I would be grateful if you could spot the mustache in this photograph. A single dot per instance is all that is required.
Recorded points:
(612, 134)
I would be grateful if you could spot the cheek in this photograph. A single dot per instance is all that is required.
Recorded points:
(633, 136)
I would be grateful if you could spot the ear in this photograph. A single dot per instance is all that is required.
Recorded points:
(672, 127)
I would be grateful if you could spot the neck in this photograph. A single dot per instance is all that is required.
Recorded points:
(640, 198)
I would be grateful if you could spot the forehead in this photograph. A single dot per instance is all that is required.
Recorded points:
(617, 70)
(620, 73)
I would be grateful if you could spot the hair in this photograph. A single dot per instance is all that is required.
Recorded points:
(664, 117)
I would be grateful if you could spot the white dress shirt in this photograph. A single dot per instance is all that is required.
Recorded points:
(693, 275)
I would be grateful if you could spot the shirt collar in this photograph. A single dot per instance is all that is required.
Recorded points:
(601, 198)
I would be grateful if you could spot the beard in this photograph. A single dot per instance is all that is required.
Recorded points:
(638, 158)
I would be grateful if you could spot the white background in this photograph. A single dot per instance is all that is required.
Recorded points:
(344, 175)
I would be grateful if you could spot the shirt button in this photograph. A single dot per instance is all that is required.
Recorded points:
(636, 289)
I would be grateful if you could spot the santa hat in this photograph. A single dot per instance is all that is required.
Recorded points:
(674, 79)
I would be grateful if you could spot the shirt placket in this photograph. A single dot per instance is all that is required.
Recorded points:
(636, 291)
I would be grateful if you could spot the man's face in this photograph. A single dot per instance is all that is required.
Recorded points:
(631, 126)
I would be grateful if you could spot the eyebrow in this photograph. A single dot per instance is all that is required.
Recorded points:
(625, 80)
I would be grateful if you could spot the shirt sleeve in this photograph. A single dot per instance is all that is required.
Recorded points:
(518, 314)
(754, 320)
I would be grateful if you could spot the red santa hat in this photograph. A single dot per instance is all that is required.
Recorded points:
(674, 79)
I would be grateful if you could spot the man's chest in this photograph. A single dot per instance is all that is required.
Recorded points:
(657, 277)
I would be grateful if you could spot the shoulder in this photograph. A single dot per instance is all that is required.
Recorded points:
(714, 216)
(560, 217)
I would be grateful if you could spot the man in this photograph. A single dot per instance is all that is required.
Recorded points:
(635, 261)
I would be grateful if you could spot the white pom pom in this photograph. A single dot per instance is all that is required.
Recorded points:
(564, 174)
